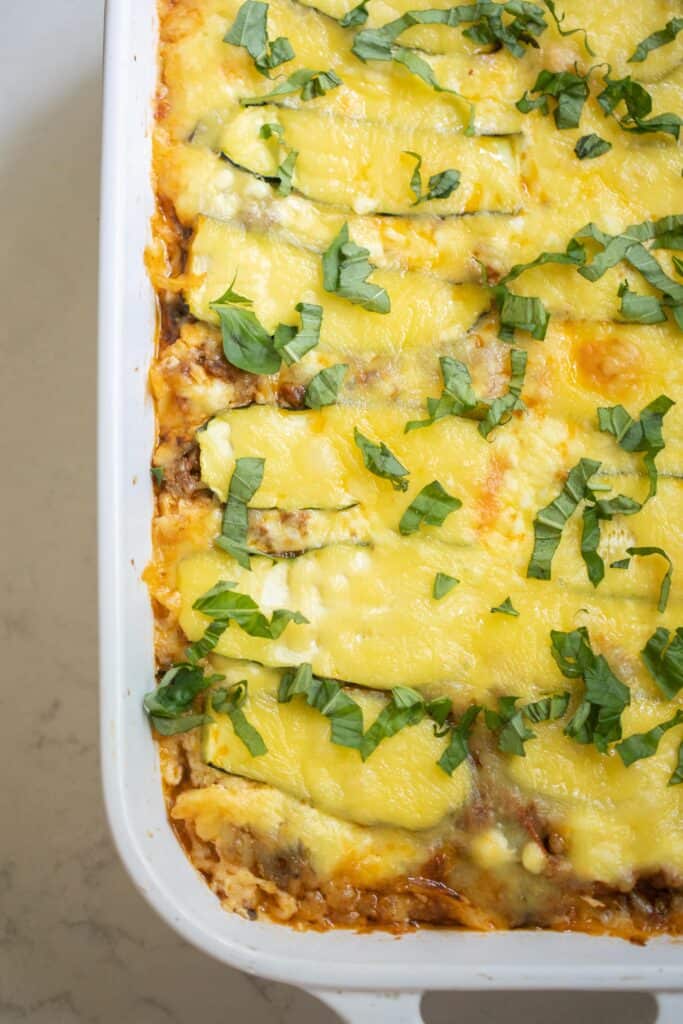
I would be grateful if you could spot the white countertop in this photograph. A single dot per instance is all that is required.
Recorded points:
(77, 944)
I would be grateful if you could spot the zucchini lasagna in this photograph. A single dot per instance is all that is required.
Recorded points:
(417, 544)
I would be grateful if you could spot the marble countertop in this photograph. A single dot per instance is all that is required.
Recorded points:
(77, 944)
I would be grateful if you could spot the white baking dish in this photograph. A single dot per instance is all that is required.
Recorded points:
(366, 967)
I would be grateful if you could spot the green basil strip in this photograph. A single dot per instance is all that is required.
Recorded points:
(508, 722)
(638, 103)
(551, 520)
(458, 397)
(645, 744)
(311, 85)
(246, 342)
(486, 26)
(663, 658)
(440, 186)
(158, 474)
(327, 697)
(457, 750)
(250, 30)
(640, 309)
(285, 173)
(567, 89)
(602, 509)
(249, 346)
(246, 479)
(345, 272)
(641, 435)
(505, 608)
(677, 776)
(548, 709)
(589, 147)
(430, 507)
(406, 707)
(292, 344)
(380, 461)
(519, 313)
(358, 15)
(559, 22)
(323, 389)
(229, 702)
(225, 605)
(653, 42)
(168, 706)
(665, 588)
(598, 718)
(443, 584)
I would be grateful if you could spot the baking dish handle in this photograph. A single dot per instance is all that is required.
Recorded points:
(670, 1007)
(373, 1007)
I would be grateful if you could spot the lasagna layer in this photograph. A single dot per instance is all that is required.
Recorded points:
(419, 460)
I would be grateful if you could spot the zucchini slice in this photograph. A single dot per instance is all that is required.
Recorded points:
(276, 275)
(399, 785)
(365, 168)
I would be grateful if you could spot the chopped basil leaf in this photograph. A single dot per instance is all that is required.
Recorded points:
(406, 707)
(567, 89)
(506, 608)
(485, 21)
(458, 397)
(293, 344)
(224, 605)
(443, 584)
(641, 435)
(665, 588)
(380, 461)
(598, 718)
(440, 186)
(640, 309)
(663, 658)
(519, 313)
(677, 776)
(246, 342)
(457, 750)
(591, 146)
(602, 509)
(638, 103)
(250, 30)
(246, 479)
(508, 722)
(358, 15)
(229, 702)
(327, 697)
(230, 296)
(285, 173)
(158, 474)
(345, 272)
(551, 520)
(653, 42)
(323, 389)
(271, 131)
(559, 20)
(547, 709)
(431, 507)
(644, 744)
(311, 84)
(169, 705)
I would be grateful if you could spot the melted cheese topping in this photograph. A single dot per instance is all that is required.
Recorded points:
(366, 589)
